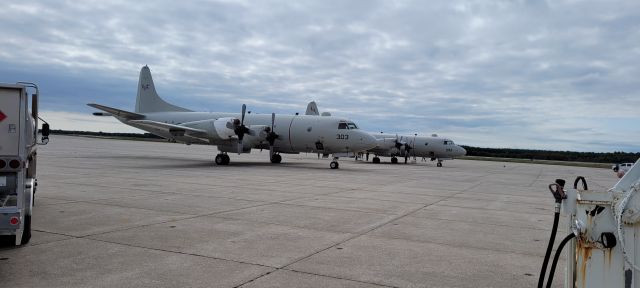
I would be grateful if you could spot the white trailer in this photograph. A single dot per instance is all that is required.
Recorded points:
(603, 242)
(607, 229)
(18, 143)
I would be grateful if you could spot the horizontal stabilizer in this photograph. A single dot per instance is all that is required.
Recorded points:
(117, 112)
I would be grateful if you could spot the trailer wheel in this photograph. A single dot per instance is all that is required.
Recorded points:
(26, 232)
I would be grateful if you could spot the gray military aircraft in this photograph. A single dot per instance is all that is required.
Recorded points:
(433, 148)
(241, 132)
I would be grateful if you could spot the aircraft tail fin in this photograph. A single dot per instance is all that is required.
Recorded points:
(312, 109)
(148, 100)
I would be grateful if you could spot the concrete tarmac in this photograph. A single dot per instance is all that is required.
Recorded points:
(116, 213)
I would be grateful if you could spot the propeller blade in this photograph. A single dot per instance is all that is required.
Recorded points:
(273, 120)
(240, 129)
(272, 135)
(244, 110)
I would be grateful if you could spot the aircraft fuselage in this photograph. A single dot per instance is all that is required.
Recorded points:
(297, 133)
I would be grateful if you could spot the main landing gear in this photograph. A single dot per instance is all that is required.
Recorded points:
(222, 159)
(394, 160)
(334, 164)
(439, 163)
(376, 160)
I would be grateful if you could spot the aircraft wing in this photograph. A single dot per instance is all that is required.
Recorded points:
(117, 112)
(174, 129)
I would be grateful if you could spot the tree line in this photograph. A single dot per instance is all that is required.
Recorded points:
(595, 157)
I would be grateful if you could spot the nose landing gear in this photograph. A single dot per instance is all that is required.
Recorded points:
(334, 164)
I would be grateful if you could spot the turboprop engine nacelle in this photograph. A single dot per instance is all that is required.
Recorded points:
(214, 127)
(224, 127)
(249, 140)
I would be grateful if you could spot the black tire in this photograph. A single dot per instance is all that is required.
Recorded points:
(26, 232)
(376, 160)
(219, 159)
(276, 158)
(226, 159)
(334, 165)
(439, 164)
(394, 160)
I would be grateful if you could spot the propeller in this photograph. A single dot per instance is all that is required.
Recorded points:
(240, 129)
(271, 134)
(398, 144)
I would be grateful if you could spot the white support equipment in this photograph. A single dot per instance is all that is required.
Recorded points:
(606, 250)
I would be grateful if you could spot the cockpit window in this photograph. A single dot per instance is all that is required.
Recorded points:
(342, 125)
(448, 142)
(352, 125)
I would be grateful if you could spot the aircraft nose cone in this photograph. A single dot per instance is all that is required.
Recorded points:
(461, 151)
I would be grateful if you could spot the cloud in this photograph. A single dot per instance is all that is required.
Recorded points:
(527, 74)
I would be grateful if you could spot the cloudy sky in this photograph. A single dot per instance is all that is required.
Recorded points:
(559, 75)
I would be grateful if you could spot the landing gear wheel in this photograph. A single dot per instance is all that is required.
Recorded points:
(219, 159)
(439, 164)
(334, 165)
(394, 160)
(276, 158)
(222, 159)
(376, 160)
